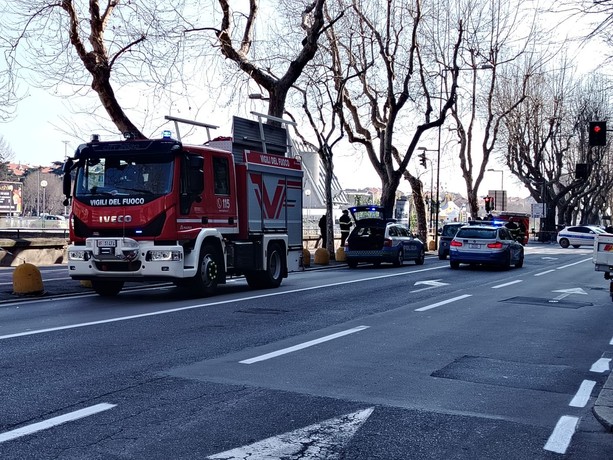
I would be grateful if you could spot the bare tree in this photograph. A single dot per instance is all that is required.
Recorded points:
(321, 91)
(495, 55)
(276, 72)
(38, 200)
(6, 154)
(546, 139)
(388, 44)
(104, 45)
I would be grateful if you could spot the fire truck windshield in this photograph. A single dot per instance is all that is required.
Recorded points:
(148, 176)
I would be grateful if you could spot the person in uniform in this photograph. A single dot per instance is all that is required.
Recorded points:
(345, 223)
(323, 232)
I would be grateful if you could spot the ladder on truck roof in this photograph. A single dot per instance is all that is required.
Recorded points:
(190, 122)
(251, 135)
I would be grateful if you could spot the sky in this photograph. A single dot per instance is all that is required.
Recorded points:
(36, 137)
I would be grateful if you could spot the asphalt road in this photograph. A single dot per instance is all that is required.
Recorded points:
(373, 363)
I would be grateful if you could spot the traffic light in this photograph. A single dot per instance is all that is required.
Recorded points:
(489, 203)
(598, 133)
(422, 159)
(582, 171)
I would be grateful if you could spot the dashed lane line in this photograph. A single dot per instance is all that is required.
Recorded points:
(55, 421)
(506, 284)
(444, 302)
(583, 394)
(562, 434)
(302, 346)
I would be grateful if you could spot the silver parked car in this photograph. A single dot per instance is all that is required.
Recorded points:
(485, 244)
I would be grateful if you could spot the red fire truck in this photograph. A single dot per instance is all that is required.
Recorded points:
(517, 222)
(157, 209)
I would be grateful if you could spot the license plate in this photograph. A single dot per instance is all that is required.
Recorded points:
(106, 243)
(474, 246)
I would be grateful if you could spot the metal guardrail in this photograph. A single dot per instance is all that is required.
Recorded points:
(25, 233)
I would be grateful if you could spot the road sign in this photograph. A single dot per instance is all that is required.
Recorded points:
(539, 211)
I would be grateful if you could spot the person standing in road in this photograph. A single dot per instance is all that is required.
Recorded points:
(323, 233)
(345, 223)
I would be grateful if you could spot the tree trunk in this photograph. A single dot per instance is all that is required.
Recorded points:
(388, 197)
(473, 203)
(420, 208)
(276, 102)
(102, 86)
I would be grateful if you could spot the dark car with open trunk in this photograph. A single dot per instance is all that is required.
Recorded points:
(378, 239)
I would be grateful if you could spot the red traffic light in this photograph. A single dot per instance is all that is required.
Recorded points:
(598, 133)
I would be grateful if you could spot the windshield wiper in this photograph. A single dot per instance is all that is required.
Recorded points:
(139, 190)
(96, 191)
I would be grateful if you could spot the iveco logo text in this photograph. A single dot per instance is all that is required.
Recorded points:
(111, 219)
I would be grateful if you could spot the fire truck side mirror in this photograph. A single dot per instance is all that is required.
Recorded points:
(66, 183)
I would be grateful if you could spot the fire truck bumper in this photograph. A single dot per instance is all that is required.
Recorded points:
(125, 258)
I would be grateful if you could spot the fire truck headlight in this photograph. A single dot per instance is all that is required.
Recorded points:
(78, 255)
(162, 256)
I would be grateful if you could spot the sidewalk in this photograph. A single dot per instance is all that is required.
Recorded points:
(603, 407)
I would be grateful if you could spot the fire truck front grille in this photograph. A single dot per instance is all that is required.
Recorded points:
(118, 266)
(152, 229)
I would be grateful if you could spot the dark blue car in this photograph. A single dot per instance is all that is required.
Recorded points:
(376, 239)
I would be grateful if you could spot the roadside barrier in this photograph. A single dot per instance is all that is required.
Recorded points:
(27, 280)
(322, 256)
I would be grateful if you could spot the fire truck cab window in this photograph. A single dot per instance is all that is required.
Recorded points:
(139, 176)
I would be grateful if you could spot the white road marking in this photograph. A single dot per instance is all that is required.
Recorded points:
(431, 284)
(203, 305)
(314, 442)
(583, 394)
(506, 284)
(55, 421)
(544, 273)
(567, 292)
(301, 346)
(562, 434)
(602, 365)
(574, 263)
(444, 302)
(611, 341)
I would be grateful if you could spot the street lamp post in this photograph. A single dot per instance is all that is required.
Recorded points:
(501, 176)
(307, 192)
(43, 184)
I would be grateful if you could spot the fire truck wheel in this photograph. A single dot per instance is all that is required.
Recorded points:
(107, 288)
(205, 281)
(272, 276)
(276, 266)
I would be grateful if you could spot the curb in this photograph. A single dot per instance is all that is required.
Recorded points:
(603, 407)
